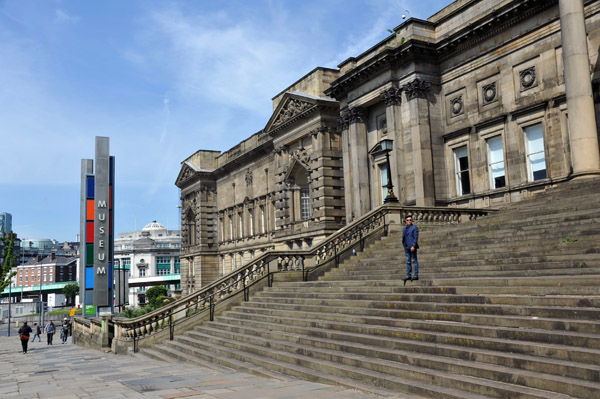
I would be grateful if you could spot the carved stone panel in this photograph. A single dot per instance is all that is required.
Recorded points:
(527, 78)
(417, 89)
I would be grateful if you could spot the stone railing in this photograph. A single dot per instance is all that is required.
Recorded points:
(308, 264)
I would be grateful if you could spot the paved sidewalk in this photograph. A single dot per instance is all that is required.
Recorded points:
(70, 372)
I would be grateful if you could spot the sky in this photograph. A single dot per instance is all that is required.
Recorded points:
(162, 79)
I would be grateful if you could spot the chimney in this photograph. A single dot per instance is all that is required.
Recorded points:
(52, 256)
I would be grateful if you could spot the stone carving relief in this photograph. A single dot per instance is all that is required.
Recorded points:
(357, 115)
(489, 93)
(392, 96)
(417, 89)
(290, 110)
(456, 106)
(344, 120)
(528, 78)
(248, 177)
(303, 156)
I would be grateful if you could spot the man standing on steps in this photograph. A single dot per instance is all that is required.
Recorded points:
(410, 241)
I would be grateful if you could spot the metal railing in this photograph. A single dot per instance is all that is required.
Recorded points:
(311, 263)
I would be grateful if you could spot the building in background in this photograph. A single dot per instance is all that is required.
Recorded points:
(5, 222)
(46, 275)
(149, 257)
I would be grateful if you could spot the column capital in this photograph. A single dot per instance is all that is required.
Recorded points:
(357, 115)
(392, 96)
(417, 89)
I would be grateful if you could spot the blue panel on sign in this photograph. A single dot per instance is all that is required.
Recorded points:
(110, 278)
(89, 277)
(90, 186)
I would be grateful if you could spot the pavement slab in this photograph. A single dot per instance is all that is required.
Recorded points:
(72, 372)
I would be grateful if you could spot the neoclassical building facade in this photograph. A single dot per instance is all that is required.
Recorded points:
(486, 102)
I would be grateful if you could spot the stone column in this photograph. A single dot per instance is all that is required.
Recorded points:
(344, 123)
(357, 134)
(578, 86)
(416, 92)
(393, 117)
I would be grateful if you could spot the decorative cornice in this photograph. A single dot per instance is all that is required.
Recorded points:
(417, 89)
(392, 96)
(529, 108)
(457, 133)
(492, 121)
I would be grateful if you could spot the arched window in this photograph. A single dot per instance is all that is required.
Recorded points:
(190, 221)
(300, 201)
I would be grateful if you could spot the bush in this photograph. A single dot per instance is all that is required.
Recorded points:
(156, 296)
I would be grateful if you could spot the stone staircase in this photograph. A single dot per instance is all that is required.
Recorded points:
(506, 307)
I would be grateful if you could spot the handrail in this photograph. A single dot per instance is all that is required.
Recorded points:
(310, 262)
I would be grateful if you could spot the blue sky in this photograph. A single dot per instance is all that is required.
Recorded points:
(162, 79)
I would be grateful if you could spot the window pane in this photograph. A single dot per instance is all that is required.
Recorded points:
(535, 138)
(384, 180)
(305, 203)
(495, 146)
(538, 162)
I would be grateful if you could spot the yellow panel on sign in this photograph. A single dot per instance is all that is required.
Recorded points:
(72, 312)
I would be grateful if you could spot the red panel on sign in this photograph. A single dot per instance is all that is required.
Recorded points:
(89, 232)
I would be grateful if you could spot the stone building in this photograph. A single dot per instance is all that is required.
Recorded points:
(486, 102)
(149, 257)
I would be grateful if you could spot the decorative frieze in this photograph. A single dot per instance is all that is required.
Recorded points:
(417, 89)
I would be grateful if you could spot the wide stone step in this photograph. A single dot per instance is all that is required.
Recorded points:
(399, 338)
(401, 318)
(528, 300)
(304, 367)
(263, 335)
(417, 378)
(362, 307)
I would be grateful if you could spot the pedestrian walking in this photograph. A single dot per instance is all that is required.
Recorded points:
(24, 332)
(410, 241)
(50, 329)
(38, 332)
(66, 326)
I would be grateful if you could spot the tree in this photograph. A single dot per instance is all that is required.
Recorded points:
(70, 290)
(8, 259)
(156, 295)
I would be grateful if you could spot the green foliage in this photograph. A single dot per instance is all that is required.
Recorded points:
(8, 259)
(569, 240)
(70, 290)
(156, 296)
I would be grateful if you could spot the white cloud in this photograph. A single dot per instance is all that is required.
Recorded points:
(64, 17)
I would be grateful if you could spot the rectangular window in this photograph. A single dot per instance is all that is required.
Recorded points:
(230, 227)
(496, 162)
(241, 221)
(222, 228)
(536, 159)
(163, 260)
(463, 180)
(305, 203)
(142, 272)
(262, 219)
(384, 181)
(251, 221)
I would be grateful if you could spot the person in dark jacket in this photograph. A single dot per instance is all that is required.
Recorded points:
(38, 333)
(24, 332)
(50, 330)
(410, 241)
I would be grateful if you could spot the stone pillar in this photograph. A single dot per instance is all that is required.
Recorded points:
(357, 134)
(578, 87)
(344, 123)
(416, 92)
(393, 117)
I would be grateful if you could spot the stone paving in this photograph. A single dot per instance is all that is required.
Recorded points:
(71, 372)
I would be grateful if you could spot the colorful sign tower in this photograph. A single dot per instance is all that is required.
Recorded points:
(97, 231)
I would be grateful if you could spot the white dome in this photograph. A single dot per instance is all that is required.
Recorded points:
(154, 226)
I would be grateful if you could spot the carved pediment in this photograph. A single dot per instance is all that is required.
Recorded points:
(187, 171)
(289, 109)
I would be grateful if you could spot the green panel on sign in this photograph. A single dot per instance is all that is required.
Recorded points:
(90, 310)
(163, 266)
(89, 254)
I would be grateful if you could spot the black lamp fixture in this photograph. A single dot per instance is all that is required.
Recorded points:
(387, 146)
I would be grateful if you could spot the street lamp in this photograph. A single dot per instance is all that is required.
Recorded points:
(386, 146)
(9, 304)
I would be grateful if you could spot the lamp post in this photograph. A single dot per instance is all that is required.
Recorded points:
(386, 146)
(9, 303)
(41, 295)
